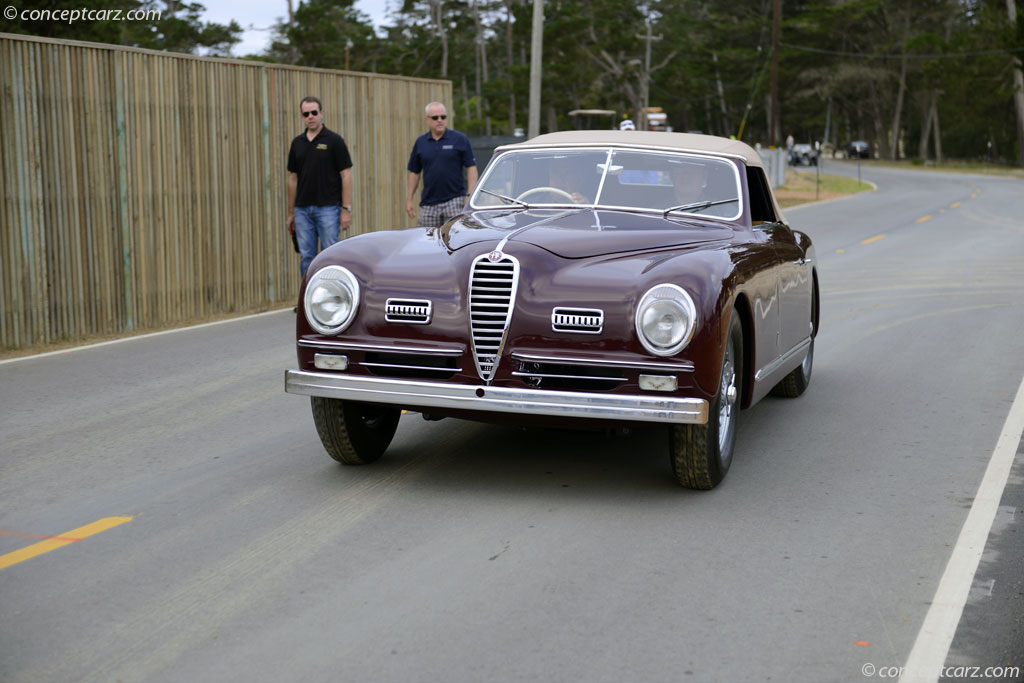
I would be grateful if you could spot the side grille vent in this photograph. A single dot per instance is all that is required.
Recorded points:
(578, 320)
(410, 365)
(492, 293)
(412, 311)
(568, 376)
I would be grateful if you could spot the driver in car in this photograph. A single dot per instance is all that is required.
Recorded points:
(688, 181)
(564, 175)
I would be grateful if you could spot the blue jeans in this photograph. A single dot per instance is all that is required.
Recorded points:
(311, 223)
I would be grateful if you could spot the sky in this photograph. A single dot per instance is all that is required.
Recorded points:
(257, 17)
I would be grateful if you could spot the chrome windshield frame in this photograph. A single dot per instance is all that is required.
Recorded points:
(729, 160)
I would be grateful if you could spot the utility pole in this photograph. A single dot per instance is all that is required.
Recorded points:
(1018, 84)
(645, 86)
(510, 61)
(292, 51)
(773, 109)
(536, 48)
(828, 123)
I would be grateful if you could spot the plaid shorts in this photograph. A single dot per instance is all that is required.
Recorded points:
(436, 215)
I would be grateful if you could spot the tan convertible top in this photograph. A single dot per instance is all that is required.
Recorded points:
(678, 142)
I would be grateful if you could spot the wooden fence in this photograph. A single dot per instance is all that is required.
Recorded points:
(144, 189)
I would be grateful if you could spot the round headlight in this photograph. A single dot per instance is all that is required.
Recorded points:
(332, 298)
(665, 319)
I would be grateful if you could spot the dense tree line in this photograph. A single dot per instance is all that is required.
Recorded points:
(916, 78)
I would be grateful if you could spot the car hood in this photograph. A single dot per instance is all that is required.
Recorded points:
(583, 233)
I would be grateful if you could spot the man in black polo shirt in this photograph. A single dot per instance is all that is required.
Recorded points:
(319, 184)
(440, 154)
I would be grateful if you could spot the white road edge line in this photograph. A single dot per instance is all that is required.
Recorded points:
(148, 335)
(928, 656)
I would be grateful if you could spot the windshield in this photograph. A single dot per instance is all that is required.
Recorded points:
(628, 179)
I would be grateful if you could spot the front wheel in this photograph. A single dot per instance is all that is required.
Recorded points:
(700, 455)
(354, 433)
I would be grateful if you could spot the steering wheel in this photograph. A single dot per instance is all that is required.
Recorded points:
(553, 190)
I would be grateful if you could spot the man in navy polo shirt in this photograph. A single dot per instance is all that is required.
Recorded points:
(319, 184)
(440, 155)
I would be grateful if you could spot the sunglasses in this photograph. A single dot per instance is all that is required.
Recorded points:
(438, 116)
(310, 113)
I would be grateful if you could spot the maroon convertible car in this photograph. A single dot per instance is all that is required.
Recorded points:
(596, 279)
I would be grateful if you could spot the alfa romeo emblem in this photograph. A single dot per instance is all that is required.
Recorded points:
(495, 256)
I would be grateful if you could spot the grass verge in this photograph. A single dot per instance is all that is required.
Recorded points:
(804, 186)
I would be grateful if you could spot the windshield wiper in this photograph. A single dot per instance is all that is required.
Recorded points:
(698, 206)
(504, 198)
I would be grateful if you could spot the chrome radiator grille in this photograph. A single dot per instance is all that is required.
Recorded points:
(492, 294)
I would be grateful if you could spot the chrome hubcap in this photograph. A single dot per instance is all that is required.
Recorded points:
(727, 398)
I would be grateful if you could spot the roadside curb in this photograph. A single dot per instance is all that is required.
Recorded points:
(147, 335)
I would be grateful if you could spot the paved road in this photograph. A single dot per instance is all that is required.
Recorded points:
(473, 552)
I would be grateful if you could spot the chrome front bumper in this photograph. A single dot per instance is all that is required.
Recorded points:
(481, 398)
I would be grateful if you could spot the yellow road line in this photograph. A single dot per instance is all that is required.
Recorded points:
(61, 540)
(840, 251)
(872, 239)
(954, 205)
(922, 219)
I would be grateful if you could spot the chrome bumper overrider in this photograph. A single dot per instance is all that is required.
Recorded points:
(482, 398)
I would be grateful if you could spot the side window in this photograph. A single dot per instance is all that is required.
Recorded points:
(761, 208)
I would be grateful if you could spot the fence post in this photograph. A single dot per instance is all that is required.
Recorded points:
(774, 161)
(122, 183)
(24, 273)
(268, 220)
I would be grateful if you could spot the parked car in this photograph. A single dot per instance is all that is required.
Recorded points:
(804, 155)
(858, 149)
(596, 279)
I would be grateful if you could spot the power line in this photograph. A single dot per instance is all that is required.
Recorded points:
(867, 55)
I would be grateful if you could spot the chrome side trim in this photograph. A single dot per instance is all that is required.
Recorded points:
(681, 366)
(358, 346)
(484, 398)
(781, 360)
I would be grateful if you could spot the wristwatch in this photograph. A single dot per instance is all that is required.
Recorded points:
(347, 207)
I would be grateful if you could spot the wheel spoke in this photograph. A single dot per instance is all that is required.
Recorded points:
(726, 397)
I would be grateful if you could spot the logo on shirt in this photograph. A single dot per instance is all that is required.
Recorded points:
(448, 147)
(321, 146)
